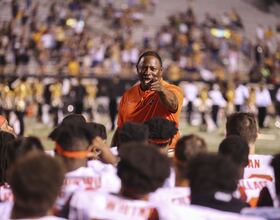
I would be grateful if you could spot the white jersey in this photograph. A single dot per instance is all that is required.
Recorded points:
(86, 178)
(110, 180)
(45, 218)
(259, 166)
(269, 213)
(114, 151)
(252, 188)
(87, 205)
(170, 181)
(5, 210)
(175, 195)
(6, 194)
(193, 212)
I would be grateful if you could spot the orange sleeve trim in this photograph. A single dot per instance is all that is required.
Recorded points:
(159, 141)
(262, 176)
(71, 154)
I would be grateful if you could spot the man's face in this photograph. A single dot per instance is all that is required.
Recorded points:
(149, 70)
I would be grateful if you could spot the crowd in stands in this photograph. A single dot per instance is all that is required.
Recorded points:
(141, 178)
(217, 47)
(65, 37)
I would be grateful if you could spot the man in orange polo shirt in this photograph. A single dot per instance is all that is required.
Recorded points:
(152, 96)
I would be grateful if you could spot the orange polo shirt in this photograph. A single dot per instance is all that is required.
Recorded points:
(139, 106)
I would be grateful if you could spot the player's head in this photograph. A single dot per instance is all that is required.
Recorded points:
(186, 148)
(236, 149)
(71, 120)
(149, 53)
(142, 169)
(209, 173)
(72, 138)
(161, 132)
(245, 125)
(132, 132)
(23, 145)
(97, 130)
(71, 144)
(35, 180)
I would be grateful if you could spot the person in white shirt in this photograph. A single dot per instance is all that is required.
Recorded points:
(241, 94)
(16, 149)
(130, 132)
(213, 180)
(245, 125)
(161, 133)
(142, 169)
(237, 150)
(187, 147)
(190, 93)
(35, 180)
(263, 100)
(72, 145)
(218, 102)
(269, 198)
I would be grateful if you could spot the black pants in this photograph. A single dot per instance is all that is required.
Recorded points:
(277, 107)
(90, 114)
(189, 112)
(237, 108)
(261, 116)
(20, 116)
(79, 107)
(40, 112)
(55, 116)
(214, 114)
(113, 111)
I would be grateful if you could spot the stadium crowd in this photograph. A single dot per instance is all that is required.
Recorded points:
(63, 37)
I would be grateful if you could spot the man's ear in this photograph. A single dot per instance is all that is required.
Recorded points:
(161, 71)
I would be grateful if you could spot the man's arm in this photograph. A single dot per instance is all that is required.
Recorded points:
(167, 97)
